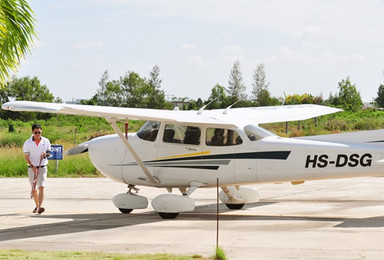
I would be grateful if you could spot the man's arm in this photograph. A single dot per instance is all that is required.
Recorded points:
(26, 156)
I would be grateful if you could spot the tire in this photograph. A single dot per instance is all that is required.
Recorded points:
(167, 215)
(235, 206)
(125, 211)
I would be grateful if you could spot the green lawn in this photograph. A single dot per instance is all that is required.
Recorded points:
(54, 255)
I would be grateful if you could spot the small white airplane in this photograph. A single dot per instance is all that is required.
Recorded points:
(188, 150)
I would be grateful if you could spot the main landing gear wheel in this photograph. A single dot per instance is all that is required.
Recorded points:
(235, 206)
(168, 215)
(125, 211)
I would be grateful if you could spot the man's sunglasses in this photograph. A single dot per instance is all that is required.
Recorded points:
(37, 133)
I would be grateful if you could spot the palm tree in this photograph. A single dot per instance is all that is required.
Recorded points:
(17, 30)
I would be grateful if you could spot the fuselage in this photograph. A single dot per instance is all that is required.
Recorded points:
(178, 155)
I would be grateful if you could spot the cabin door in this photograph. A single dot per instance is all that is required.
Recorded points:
(179, 155)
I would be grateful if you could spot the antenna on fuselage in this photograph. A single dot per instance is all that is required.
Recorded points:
(203, 107)
(227, 109)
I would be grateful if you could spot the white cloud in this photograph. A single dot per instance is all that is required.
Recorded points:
(232, 49)
(307, 57)
(225, 34)
(200, 61)
(311, 45)
(188, 46)
(89, 45)
(309, 31)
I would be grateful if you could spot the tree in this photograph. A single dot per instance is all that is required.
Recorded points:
(133, 89)
(261, 94)
(348, 97)
(101, 92)
(236, 87)
(154, 96)
(380, 96)
(302, 99)
(17, 31)
(108, 94)
(29, 89)
(218, 98)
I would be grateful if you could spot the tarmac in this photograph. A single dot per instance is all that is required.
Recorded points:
(333, 219)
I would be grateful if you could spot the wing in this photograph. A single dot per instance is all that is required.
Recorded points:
(215, 118)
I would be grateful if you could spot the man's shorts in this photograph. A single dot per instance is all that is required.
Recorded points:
(42, 176)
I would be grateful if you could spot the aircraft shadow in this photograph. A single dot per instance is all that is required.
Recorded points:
(77, 223)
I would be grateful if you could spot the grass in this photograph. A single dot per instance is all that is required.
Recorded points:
(54, 255)
(66, 130)
(220, 254)
(13, 164)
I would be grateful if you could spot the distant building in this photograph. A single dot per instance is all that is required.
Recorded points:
(367, 105)
(74, 101)
(180, 103)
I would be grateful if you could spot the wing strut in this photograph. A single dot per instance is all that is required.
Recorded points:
(132, 151)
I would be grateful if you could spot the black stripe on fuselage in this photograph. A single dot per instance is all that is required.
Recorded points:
(378, 141)
(270, 155)
(187, 161)
(204, 167)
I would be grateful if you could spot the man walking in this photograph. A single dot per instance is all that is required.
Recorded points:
(36, 150)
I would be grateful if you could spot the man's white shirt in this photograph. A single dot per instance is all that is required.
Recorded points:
(35, 151)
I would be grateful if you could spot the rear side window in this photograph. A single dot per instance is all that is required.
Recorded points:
(222, 137)
(182, 134)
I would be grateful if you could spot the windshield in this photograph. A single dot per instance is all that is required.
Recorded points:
(149, 131)
(255, 133)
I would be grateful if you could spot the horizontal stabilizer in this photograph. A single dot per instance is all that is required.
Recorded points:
(77, 150)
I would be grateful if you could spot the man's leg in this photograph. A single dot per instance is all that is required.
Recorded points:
(36, 199)
(41, 196)
(35, 195)
(41, 184)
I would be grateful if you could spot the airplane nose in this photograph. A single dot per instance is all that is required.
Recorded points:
(107, 154)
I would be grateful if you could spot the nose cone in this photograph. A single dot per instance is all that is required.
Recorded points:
(107, 154)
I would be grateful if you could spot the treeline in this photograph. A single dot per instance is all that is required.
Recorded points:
(132, 90)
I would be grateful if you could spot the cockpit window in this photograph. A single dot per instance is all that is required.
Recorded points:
(222, 137)
(255, 133)
(149, 130)
(181, 134)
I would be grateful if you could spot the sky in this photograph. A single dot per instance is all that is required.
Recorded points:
(306, 46)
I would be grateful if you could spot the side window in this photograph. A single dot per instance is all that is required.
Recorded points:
(181, 134)
(222, 137)
(149, 130)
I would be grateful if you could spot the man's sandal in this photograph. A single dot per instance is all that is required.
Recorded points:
(35, 210)
(41, 210)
